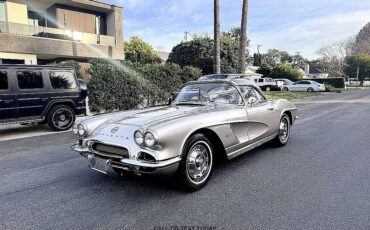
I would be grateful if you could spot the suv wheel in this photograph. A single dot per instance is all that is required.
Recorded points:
(268, 88)
(197, 162)
(61, 117)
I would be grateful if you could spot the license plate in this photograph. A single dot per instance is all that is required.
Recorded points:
(101, 165)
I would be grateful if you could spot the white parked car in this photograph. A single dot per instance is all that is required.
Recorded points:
(281, 82)
(306, 86)
(267, 84)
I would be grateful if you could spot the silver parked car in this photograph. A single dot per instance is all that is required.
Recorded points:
(306, 86)
(208, 119)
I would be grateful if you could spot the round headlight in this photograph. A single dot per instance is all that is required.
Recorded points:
(81, 130)
(75, 129)
(139, 138)
(149, 139)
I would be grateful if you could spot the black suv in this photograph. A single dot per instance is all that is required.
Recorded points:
(41, 94)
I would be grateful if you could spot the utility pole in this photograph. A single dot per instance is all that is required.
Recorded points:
(187, 33)
(358, 73)
(297, 57)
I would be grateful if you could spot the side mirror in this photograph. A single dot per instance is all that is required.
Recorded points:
(172, 98)
(251, 101)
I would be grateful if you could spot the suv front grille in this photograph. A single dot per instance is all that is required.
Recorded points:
(110, 151)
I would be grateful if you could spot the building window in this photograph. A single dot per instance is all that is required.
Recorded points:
(30, 80)
(36, 18)
(62, 80)
(2, 12)
(4, 85)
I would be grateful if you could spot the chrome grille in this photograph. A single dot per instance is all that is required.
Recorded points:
(110, 151)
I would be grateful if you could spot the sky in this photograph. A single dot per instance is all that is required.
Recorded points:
(291, 25)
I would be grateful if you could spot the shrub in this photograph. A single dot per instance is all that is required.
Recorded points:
(71, 63)
(126, 85)
(166, 79)
(114, 86)
(286, 71)
(334, 82)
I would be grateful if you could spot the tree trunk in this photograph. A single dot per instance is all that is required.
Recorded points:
(243, 38)
(217, 38)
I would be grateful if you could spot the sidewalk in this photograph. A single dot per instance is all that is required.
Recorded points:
(15, 131)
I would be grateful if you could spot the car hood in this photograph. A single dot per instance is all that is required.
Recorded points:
(153, 116)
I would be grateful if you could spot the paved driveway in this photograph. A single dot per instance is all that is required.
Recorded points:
(320, 180)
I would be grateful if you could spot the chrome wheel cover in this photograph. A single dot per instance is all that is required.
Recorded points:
(284, 130)
(199, 162)
(62, 118)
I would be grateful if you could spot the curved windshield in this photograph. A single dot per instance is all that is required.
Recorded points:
(202, 93)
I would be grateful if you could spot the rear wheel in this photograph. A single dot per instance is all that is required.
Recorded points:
(197, 162)
(61, 118)
(284, 131)
(310, 90)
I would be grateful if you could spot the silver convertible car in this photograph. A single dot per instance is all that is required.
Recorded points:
(207, 120)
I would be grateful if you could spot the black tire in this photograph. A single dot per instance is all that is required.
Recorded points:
(282, 138)
(310, 90)
(206, 163)
(285, 89)
(268, 89)
(55, 117)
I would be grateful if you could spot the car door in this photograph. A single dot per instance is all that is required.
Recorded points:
(260, 115)
(298, 86)
(32, 97)
(8, 105)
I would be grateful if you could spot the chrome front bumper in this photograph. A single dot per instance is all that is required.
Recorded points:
(107, 166)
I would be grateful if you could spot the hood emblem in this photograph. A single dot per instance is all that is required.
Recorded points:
(115, 129)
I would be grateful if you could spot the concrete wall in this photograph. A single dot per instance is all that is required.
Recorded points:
(16, 13)
(55, 47)
(29, 59)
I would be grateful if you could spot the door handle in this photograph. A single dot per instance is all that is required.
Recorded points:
(271, 109)
(8, 101)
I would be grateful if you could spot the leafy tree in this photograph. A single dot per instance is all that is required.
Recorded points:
(265, 70)
(138, 51)
(286, 71)
(275, 57)
(199, 53)
(360, 63)
(257, 59)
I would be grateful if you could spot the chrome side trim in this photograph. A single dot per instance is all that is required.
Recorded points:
(250, 147)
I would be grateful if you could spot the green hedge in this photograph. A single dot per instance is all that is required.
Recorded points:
(335, 82)
(122, 86)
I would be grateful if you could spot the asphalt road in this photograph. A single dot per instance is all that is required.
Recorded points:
(320, 180)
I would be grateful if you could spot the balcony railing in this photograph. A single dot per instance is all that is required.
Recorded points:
(47, 32)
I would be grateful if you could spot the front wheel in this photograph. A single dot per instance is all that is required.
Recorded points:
(311, 90)
(268, 89)
(61, 118)
(197, 162)
(285, 89)
(284, 131)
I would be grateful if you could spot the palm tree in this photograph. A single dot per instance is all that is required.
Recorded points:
(243, 38)
(217, 38)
